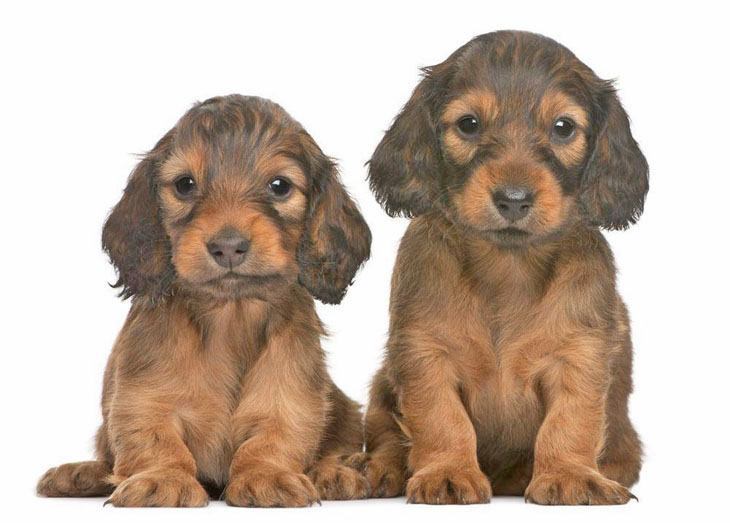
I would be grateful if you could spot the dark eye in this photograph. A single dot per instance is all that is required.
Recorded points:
(185, 185)
(468, 125)
(563, 129)
(280, 187)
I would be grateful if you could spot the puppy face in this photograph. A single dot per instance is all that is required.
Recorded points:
(236, 201)
(233, 202)
(512, 138)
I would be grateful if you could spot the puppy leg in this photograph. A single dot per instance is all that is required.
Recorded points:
(571, 437)
(384, 462)
(153, 467)
(280, 424)
(83, 479)
(621, 456)
(621, 459)
(334, 479)
(164, 487)
(331, 476)
(443, 456)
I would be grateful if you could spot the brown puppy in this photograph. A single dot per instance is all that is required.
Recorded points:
(217, 378)
(509, 353)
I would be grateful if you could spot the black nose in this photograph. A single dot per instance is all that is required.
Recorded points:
(513, 203)
(228, 248)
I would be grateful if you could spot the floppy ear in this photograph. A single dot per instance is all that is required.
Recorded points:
(336, 239)
(616, 177)
(133, 235)
(404, 168)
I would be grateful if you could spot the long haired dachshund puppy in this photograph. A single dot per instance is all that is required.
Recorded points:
(509, 354)
(217, 379)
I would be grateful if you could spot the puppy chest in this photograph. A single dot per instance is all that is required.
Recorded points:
(205, 413)
(204, 418)
(503, 404)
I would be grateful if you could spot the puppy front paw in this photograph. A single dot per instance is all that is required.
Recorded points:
(448, 485)
(271, 488)
(159, 488)
(576, 487)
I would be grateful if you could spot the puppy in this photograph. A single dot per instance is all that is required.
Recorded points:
(226, 230)
(509, 354)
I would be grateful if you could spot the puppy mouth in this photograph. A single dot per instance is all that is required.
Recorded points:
(512, 232)
(237, 278)
(509, 235)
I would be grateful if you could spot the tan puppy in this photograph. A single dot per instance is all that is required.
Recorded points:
(509, 357)
(226, 230)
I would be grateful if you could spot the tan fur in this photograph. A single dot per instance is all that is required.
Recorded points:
(217, 380)
(508, 363)
(481, 345)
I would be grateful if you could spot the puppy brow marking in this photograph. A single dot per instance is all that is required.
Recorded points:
(483, 105)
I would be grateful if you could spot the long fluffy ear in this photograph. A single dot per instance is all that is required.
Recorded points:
(404, 168)
(336, 240)
(133, 235)
(616, 177)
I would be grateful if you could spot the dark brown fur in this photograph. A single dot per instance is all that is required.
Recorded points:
(221, 381)
(508, 366)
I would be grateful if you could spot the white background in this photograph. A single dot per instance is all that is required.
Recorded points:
(85, 87)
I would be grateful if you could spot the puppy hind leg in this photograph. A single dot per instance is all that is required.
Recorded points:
(384, 461)
(622, 452)
(384, 468)
(82, 479)
(335, 480)
(621, 457)
(85, 478)
(331, 476)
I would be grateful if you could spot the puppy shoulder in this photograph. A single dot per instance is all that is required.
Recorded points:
(427, 270)
(585, 275)
(587, 247)
(151, 333)
(426, 251)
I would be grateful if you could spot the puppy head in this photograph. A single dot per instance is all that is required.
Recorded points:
(236, 200)
(512, 137)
